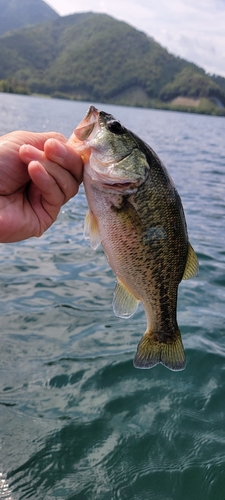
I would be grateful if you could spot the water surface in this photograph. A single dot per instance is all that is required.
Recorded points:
(77, 421)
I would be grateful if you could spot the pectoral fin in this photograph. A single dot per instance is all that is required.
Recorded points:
(124, 303)
(192, 266)
(91, 230)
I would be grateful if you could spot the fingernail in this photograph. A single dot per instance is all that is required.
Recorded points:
(55, 150)
(59, 150)
(31, 152)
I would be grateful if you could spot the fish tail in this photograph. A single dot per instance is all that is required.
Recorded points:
(151, 351)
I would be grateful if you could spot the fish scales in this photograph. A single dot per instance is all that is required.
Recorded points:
(136, 214)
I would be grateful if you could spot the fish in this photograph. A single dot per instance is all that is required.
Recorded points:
(136, 214)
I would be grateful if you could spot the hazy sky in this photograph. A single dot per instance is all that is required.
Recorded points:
(193, 29)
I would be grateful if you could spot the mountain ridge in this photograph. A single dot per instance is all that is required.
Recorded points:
(15, 15)
(94, 57)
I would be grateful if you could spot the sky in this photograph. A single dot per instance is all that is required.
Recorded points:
(192, 29)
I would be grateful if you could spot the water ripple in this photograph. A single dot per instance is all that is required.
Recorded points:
(78, 422)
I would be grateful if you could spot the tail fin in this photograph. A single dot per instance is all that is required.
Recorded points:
(150, 352)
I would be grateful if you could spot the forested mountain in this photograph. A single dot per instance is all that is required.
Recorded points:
(15, 14)
(95, 57)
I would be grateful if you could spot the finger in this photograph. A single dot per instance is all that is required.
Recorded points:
(57, 178)
(29, 153)
(64, 155)
(61, 165)
(36, 139)
(56, 185)
(45, 212)
(32, 143)
(44, 195)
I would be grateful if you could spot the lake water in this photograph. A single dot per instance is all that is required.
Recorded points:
(77, 420)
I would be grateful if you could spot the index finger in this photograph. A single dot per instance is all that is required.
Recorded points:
(65, 156)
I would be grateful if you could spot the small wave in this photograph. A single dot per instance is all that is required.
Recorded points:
(5, 492)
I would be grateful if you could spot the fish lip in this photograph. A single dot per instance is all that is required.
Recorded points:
(122, 185)
(86, 126)
(105, 179)
(92, 111)
(127, 187)
(83, 132)
(103, 175)
(108, 180)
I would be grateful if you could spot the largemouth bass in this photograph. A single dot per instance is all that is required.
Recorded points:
(135, 212)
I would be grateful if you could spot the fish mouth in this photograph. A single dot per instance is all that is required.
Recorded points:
(86, 126)
(122, 186)
(83, 132)
(111, 175)
(119, 184)
(107, 173)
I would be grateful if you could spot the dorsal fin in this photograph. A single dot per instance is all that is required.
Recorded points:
(192, 266)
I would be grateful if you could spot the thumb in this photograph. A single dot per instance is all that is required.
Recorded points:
(38, 139)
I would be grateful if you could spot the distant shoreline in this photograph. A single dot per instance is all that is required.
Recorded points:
(201, 106)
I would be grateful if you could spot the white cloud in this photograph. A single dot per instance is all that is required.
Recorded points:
(192, 29)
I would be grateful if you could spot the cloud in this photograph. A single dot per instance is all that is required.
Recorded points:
(192, 29)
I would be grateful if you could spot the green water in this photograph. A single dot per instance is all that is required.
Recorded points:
(77, 420)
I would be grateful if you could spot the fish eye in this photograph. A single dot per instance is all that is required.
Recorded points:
(115, 127)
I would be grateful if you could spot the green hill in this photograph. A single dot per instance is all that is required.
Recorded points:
(18, 13)
(95, 57)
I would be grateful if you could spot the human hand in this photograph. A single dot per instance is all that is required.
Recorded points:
(39, 172)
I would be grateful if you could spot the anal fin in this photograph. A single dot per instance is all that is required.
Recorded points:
(124, 303)
(151, 352)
